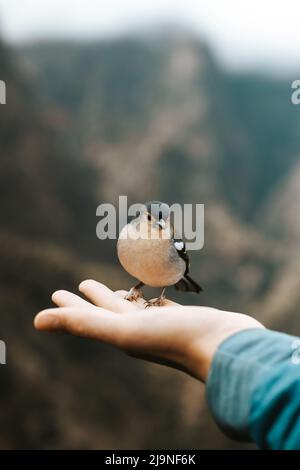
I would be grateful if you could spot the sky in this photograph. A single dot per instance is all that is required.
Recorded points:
(242, 33)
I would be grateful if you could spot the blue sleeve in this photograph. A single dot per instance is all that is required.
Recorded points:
(253, 388)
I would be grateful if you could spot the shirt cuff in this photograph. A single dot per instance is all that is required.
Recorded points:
(238, 366)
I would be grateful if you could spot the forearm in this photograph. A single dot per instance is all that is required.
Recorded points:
(253, 388)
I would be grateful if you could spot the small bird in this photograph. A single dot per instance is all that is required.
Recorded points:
(149, 250)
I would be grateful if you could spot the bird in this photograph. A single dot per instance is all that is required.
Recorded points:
(149, 250)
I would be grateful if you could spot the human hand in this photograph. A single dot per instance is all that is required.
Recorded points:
(183, 337)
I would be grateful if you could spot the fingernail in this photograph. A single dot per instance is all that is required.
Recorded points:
(54, 294)
(82, 284)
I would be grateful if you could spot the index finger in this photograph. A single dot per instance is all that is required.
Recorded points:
(104, 297)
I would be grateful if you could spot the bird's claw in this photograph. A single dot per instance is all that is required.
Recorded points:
(134, 295)
(159, 302)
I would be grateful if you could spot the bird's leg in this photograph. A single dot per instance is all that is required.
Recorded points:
(159, 302)
(135, 293)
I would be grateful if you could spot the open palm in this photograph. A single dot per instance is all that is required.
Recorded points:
(184, 337)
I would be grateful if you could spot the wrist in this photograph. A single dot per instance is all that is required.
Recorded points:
(205, 346)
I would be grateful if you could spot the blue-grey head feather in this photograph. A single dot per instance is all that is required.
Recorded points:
(159, 210)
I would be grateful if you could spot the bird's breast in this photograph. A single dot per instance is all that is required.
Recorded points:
(151, 261)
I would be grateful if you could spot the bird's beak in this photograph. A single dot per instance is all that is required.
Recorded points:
(161, 223)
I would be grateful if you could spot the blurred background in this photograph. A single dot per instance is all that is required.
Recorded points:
(179, 101)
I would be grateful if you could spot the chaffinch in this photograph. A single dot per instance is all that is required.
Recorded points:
(149, 250)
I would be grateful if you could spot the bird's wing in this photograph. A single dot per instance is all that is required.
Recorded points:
(186, 284)
(180, 248)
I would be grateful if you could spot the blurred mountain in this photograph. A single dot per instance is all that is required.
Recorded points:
(167, 103)
(159, 119)
(151, 119)
(39, 192)
(279, 214)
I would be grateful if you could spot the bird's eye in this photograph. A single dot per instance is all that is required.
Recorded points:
(149, 217)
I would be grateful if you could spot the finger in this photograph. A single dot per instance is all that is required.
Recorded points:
(63, 298)
(91, 323)
(170, 303)
(121, 293)
(104, 297)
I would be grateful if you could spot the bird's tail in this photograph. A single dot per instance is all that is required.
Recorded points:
(187, 284)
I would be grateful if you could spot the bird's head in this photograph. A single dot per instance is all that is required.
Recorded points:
(155, 219)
